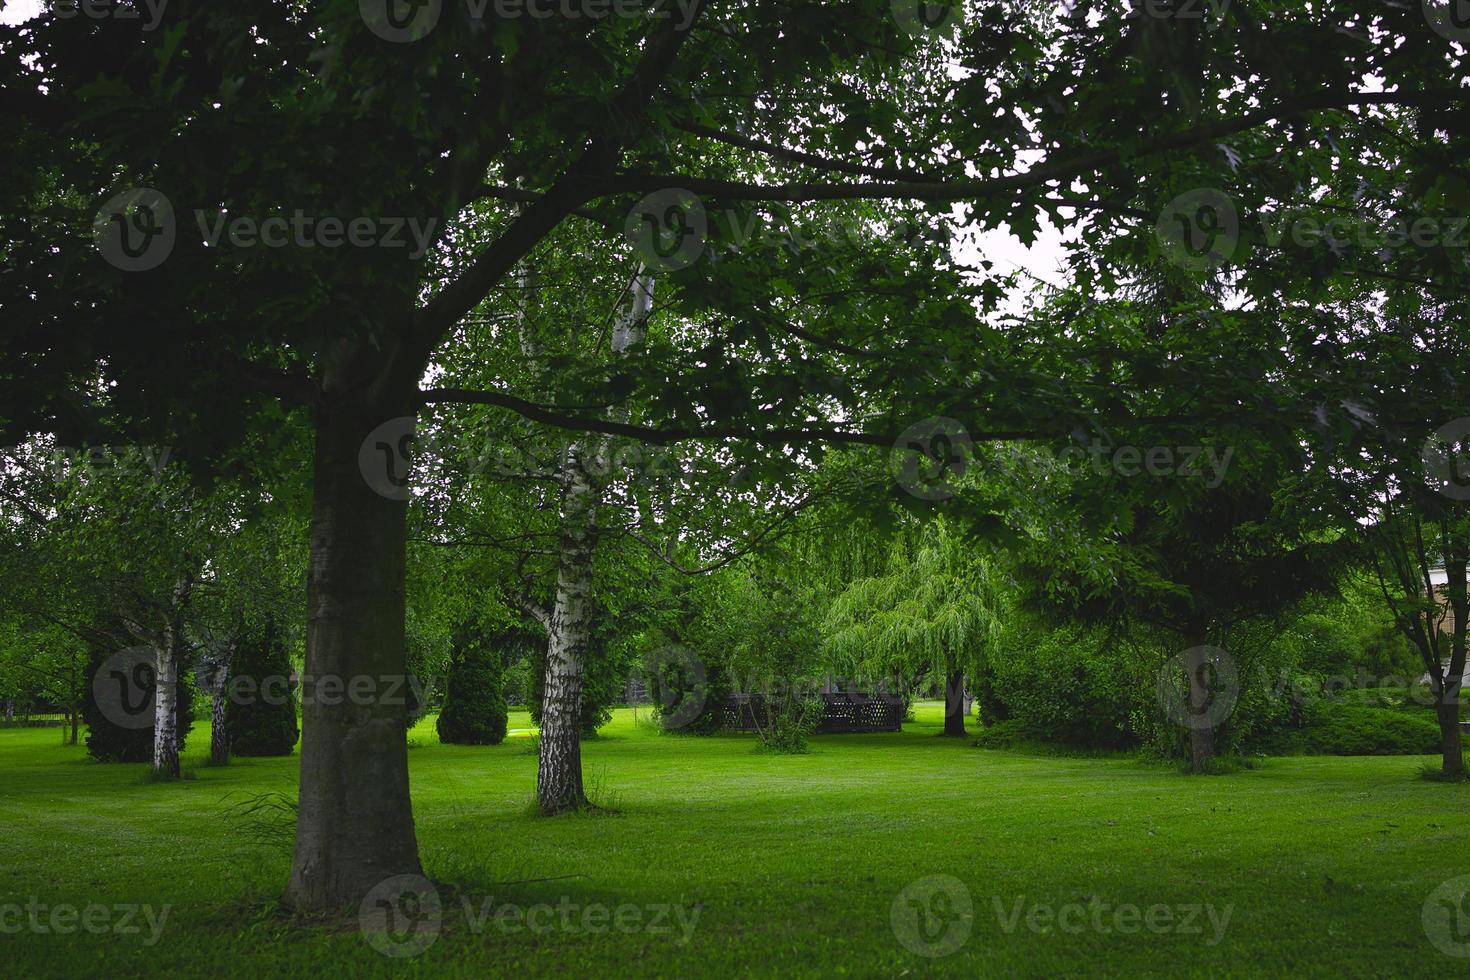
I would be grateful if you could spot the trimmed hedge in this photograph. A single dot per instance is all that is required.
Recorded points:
(260, 709)
(474, 711)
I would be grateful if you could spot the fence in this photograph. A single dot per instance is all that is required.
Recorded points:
(843, 714)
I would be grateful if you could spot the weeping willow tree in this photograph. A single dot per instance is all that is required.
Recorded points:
(935, 607)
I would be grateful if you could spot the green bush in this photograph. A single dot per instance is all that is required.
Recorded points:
(260, 706)
(688, 698)
(1334, 728)
(474, 710)
(793, 721)
(1065, 685)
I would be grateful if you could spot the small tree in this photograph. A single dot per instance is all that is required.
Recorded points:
(474, 710)
(260, 709)
(935, 608)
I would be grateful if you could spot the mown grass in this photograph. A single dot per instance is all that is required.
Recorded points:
(793, 863)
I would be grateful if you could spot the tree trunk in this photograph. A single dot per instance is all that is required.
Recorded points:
(1201, 727)
(166, 708)
(1448, 713)
(354, 825)
(168, 653)
(74, 717)
(219, 736)
(954, 704)
(559, 766)
(10, 709)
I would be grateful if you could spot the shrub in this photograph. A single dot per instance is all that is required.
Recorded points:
(260, 710)
(106, 741)
(1351, 729)
(1063, 685)
(687, 703)
(793, 721)
(474, 710)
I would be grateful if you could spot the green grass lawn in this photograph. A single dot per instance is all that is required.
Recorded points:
(792, 864)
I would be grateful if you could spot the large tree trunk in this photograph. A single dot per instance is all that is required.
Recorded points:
(954, 704)
(559, 767)
(1201, 727)
(1448, 713)
(354, 824)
